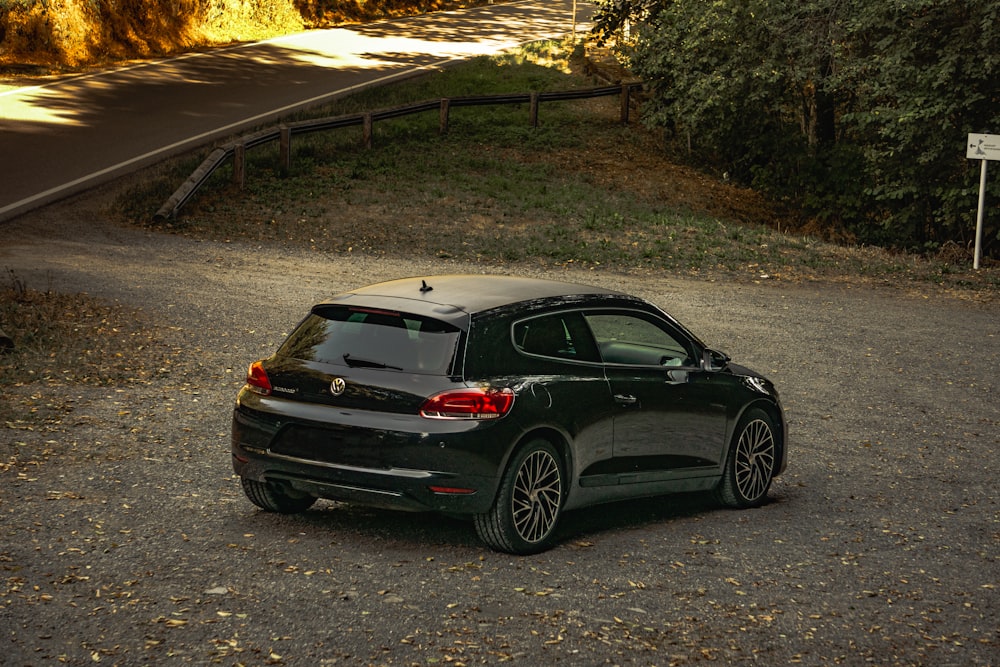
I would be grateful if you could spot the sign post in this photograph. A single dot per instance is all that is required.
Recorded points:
(574, 23)
(983, 147)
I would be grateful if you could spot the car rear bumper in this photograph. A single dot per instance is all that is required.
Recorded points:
(401, 469)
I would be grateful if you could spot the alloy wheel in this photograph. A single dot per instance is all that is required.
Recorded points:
(536, 497)
(754, 463)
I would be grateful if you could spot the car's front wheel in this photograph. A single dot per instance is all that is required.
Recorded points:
(527, 507)
(750, 465)
(274, 498)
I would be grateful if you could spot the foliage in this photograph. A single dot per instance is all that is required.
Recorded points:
(925, 74)
(80, 32)
(858, 111)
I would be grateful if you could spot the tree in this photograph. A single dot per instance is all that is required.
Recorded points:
(858, 111)
(924, 74)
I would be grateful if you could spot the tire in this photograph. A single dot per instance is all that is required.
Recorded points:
(274, 498)
(529, 502)
(750, 463)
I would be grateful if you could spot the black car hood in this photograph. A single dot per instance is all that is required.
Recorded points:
(737, 369)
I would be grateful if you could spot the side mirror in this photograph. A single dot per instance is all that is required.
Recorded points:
(713, 360)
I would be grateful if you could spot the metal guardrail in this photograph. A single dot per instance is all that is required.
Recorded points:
(236, 150)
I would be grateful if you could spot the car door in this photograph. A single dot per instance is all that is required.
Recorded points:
(567, 383)
(671, 414)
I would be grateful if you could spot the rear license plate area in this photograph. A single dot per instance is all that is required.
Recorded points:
(336, 446)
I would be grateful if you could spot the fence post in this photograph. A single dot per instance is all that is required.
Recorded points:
(285, 149)
(366, 132)
(626, 89)
(444, 112)
(239, 165)
(237, 149)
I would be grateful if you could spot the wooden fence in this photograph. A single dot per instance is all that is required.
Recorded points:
(236, 150)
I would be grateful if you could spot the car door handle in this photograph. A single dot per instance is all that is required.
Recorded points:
(677, 377)
(626, 399)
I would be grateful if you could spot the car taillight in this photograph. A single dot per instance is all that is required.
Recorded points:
(257, 380)
(468, 404)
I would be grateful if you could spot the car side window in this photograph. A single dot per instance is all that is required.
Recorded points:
(632, 339)
(560, 335)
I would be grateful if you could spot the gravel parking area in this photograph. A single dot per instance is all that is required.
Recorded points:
(125, 539)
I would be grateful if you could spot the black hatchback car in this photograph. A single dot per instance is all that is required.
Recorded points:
(510, 400)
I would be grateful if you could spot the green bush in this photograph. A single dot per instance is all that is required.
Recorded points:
(856, 111)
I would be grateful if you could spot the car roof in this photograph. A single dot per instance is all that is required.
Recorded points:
(448, 296)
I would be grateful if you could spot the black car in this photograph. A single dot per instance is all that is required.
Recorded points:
(506, 399)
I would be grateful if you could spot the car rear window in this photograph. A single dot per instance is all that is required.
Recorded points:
(374, 338)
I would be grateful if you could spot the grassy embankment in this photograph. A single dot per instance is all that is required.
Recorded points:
(579, 189)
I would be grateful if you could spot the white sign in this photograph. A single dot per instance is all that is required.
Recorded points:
(984, 147)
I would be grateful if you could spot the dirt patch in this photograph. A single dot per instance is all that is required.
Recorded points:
(650, 173)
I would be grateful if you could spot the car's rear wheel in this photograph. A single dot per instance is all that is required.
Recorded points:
(274, 498)
(527, 507)
(750, 465)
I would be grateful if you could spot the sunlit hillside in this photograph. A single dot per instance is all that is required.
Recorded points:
(40, 34)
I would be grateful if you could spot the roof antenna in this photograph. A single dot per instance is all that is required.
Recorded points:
(424, 287)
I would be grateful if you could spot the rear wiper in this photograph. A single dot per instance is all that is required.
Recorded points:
(354, 362)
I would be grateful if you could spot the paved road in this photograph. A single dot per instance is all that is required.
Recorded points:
(70, 134)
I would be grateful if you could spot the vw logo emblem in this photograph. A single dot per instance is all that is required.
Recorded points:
(338, 386)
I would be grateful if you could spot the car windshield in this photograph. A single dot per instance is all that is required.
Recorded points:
(374, 338)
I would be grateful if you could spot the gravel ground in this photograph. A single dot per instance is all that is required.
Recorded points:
(124, 537)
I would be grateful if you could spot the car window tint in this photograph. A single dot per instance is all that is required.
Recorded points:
(374, 339)
(562, 335)
(627, 338)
